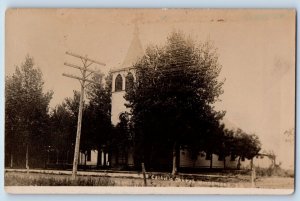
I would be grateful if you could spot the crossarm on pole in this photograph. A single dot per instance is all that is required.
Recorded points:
(78, 78)
(85, 58)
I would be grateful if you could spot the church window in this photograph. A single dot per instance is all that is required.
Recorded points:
(118, 83)
(129, 81)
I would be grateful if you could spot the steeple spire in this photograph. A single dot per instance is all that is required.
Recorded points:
(135, 50)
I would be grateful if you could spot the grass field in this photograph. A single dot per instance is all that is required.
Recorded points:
(240, 181)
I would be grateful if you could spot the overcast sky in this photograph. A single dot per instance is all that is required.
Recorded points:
(256, 49)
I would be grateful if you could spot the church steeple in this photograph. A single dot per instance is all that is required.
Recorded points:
(135, 50)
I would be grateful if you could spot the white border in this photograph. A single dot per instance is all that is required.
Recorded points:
(4, 4)
(145, 190)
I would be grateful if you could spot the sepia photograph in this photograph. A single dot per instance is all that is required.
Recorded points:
(150, 101)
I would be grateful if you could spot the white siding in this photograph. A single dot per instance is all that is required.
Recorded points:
(93, 161)
(201, 162)
(117, 106)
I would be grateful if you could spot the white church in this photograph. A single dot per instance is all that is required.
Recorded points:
(121, 77)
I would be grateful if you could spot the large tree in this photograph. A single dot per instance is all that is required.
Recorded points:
(172, 99)
(26, 113)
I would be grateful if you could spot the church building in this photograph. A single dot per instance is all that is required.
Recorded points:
(122, 77)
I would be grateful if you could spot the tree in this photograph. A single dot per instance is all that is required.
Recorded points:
(121, 138)
(225, 144)
(245, 145)
(272, 156)
(63, 127)
(72, 107)
(172, 99)
(97, 125)
(26, 112)
(62, 137)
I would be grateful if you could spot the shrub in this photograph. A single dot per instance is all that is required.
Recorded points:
(274, 171)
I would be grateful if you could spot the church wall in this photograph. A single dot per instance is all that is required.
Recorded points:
(118, 106)
(118, 101)
(93, 161)
(202, 162)
(135, 52)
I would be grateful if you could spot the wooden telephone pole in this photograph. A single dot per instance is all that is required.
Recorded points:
(83, 79)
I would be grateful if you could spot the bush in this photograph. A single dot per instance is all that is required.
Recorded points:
(274, 171)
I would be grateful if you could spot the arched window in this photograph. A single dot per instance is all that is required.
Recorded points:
(129, 81)
(118, 83)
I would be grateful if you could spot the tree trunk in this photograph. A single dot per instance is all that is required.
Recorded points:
(67, 159)
(253, 174)
(57, 152)
(177, 158)
(45, 157)
(27, 165)
(48, 158)
(239, 163)
(126, 157)
(117, 156)
(224, 160)
(174, 168)
(85, 156)
(144, 174)
(99, 153)
(11, 160)
(104, 161)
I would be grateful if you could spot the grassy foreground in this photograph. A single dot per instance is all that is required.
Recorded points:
(34, 179)
(239, 181)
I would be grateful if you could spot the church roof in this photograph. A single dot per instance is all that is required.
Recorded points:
(135, 51)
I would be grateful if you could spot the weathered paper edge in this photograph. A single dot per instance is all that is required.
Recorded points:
(144, 190)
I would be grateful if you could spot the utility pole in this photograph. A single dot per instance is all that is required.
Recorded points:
(83, 79)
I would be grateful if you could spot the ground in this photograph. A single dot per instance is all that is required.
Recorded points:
(63, 178)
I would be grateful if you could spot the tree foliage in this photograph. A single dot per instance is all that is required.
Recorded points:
(96, 118)
(26, 111)
(237, 143)
(246, 145)
(63, 130)
(172, 99)
(96, 124)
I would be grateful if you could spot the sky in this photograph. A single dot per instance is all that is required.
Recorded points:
(256, 50)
